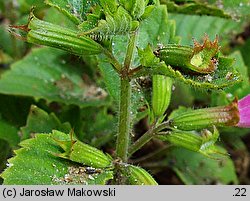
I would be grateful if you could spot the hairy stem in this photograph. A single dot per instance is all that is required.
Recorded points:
(116, 65)
(123, 137)
(147, 137)
(130, 51)
(124, 120)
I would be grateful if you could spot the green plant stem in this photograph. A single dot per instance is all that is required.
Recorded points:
(123, 137)
(124, 120)
(159, 152)
(116, 65)
(133, 71)
(130, 51)
(145, 138)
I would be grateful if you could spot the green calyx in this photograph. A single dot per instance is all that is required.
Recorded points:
(203, 142)
(139, 176)
(162, 86)
(203, 118)
(80, 152)
(45, 33)
(202, 58)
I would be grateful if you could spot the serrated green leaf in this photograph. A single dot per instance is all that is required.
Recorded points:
(9, 133)
(239, 90)
(26, 169)
(40, 121)
(194, 168)
(217, 80)
(47, 73)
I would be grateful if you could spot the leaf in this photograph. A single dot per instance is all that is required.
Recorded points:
(25, 5)
(217, 80)
(56, 17)
(49, 74)
(194, 168)
(9, 133)
(192, 26)
(214, 81)
(40, 121)
(118, 23)
(245, 49)
(104, 129)
(26, 169)
(154, 30)
(112, 82)
(110, 77)
(239, 90)
(157, 29)
(75, 10)
(148, 33)
(195, 8)
(236, 8)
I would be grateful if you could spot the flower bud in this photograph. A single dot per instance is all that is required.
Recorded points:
(139, 176)
(162, 87)
(45, 33)
(203, 118)
(203, 142)
(80, 152)
(202, 58)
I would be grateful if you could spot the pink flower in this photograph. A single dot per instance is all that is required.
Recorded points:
(244, 110)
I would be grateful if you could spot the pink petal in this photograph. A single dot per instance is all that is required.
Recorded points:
(244, 117)
(244, 102)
